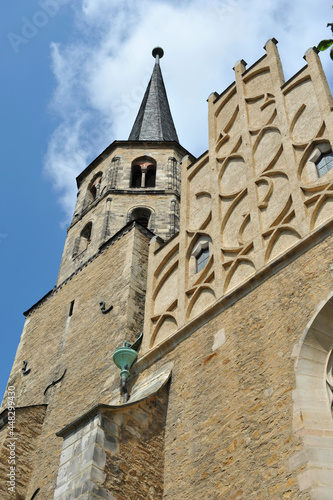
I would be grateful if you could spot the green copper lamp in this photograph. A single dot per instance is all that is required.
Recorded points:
(124, 358)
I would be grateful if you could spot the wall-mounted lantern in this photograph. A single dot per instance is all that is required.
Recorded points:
(124, 357)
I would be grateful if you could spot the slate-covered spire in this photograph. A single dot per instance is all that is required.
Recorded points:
(154, 121)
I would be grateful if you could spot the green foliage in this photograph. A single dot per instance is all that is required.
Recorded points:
(325, 44)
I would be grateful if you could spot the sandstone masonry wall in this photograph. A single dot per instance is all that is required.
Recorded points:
(23, 440)
(230, 421)
(82, 344)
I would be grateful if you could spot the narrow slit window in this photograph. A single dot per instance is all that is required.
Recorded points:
(71, 308)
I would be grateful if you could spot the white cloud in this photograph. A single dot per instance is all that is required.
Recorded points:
(102, 75)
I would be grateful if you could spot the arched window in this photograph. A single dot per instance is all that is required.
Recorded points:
(136, 176)
(321, 160)
(202, 258)
(150, 176)
(95, 186)
(200, 254)
(93, 189)
(143, 172)
(324, 163)
(83, 241)
(141, 215)
(85, 237)
(313, 401)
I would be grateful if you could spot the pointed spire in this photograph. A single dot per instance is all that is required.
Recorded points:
(154, 121)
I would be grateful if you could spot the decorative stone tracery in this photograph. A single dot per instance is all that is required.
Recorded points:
(256, 193)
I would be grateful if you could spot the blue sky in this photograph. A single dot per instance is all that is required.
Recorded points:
(73, 76)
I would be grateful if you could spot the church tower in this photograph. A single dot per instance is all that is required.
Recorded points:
(138, 179)
(126, 196)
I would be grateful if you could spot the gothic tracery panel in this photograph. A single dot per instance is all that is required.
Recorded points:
(305, 119)
(254, 195)
(199, 196)
(270, 169)
(261, 110)
(165, 294)
(309, 134)
(227, 127)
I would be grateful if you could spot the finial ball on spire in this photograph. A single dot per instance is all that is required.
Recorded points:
(158, 51)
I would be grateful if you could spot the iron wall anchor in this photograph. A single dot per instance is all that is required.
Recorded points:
(25, 371)
(105, 311)
(55, 382)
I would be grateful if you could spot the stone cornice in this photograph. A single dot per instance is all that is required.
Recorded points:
(117, 192)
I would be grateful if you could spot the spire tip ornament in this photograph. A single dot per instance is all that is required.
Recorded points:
(158, 51)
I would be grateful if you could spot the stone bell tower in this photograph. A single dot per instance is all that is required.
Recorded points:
(130, 192)
(138, 179)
